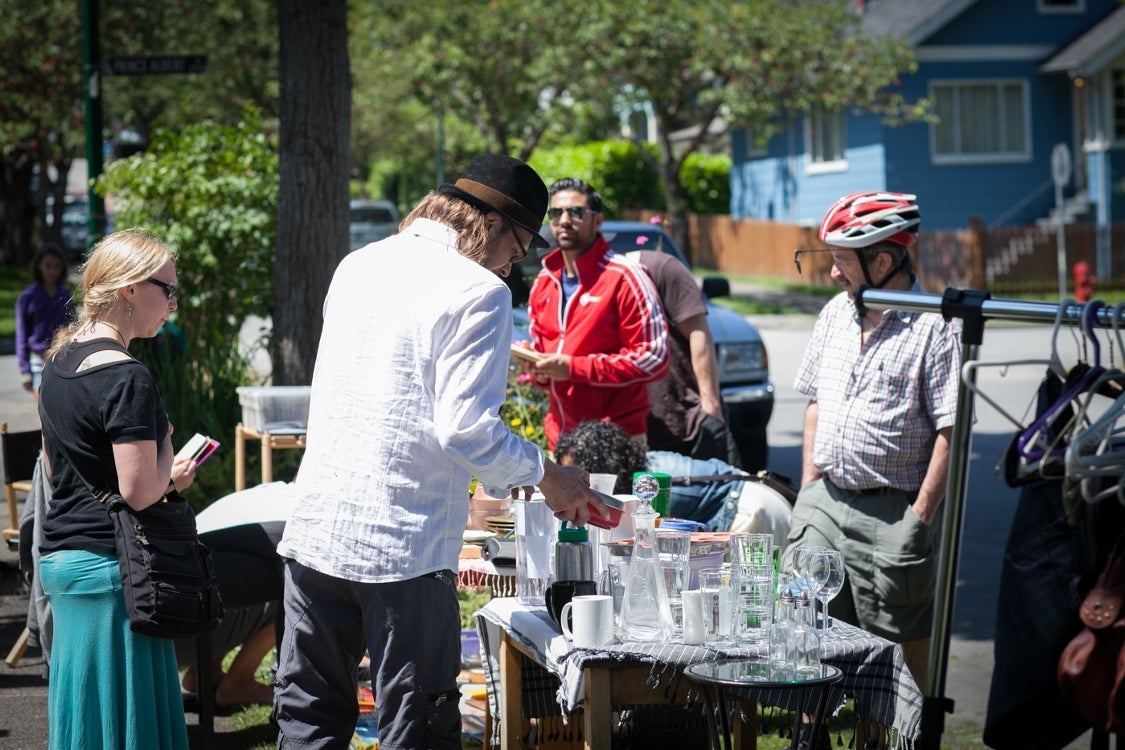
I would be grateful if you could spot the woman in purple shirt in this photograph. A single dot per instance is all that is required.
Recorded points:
(41, 309)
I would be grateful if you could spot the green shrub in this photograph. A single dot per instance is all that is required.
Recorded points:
(619, 172)
(210, 192)
(706, 182)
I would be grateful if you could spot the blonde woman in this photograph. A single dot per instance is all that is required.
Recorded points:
(104, 421)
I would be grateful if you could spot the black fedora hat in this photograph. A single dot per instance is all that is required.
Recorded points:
(506, 185)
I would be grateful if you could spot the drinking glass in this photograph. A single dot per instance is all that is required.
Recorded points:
(753, 603)
(807, 578)
(674, 547)
(830, 564)
(751, 549)
(715, 586)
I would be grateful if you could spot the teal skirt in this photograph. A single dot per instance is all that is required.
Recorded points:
(110, 688)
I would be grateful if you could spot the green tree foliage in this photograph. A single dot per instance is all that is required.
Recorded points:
(40, 114)
(211, 192)
(524, 73)
(756, 64)
(41, 88)
(705, 179)
(616, 169)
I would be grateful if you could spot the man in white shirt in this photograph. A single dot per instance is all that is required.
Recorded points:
(404, 410)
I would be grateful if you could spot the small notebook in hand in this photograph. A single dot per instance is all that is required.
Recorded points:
(200, 447)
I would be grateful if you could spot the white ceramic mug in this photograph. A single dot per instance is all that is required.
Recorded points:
(590, 620)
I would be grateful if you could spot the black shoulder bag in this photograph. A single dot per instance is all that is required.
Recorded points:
(167, 574)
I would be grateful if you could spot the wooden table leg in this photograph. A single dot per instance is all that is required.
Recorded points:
(511, 694)
(267, 458)
(598, 712)
(745, 735)
(239, 458)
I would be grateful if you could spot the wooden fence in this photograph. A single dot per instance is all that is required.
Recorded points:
(1006, 260)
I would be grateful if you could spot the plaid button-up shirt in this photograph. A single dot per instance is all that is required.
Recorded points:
(880, 404)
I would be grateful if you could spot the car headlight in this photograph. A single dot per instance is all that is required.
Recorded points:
(742, 361)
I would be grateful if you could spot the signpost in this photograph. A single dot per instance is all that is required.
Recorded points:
(1060, 173)
(156, 65)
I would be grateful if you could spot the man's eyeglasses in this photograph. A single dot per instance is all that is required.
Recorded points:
(576, 213)
(169, 289)
(524, 247)
(797, 257)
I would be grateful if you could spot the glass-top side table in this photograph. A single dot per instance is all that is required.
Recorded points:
(718, 677)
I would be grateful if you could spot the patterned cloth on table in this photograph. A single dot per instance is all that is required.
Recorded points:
(875, 676)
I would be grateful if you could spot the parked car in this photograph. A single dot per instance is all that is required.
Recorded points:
(370, 221)
(743, 362)
(73, 233)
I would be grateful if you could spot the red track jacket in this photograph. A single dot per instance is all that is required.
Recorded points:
(614, 329)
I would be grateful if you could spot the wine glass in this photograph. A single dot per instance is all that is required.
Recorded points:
(645, 488)
(807, 576)
(832, 563)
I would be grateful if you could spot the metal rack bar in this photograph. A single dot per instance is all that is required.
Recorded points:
(974, 308)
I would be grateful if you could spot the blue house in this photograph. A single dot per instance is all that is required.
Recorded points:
(1009, 79)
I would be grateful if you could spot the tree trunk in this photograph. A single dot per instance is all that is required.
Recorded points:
(312, 226)
(16, 211)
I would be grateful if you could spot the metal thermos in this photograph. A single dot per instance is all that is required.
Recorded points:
(574, 555)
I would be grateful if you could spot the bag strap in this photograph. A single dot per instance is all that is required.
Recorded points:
(777, 482)
(101, 498)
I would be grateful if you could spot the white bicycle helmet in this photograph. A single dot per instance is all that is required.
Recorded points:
(863, 219)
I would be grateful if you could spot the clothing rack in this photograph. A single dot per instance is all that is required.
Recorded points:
(974, 308)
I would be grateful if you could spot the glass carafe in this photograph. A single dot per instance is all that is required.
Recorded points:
(645, 613)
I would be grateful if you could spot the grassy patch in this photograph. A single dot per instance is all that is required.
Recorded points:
(12, 282)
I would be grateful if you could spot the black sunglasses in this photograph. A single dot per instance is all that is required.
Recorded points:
(169, 289)
(576, 213)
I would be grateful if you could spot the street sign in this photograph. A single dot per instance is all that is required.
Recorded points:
(1060, 173)
(1060, 164)
(156, 65)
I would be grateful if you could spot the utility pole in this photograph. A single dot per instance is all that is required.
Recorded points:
(91, 74)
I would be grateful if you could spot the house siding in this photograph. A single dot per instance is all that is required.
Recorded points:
(1009, 33)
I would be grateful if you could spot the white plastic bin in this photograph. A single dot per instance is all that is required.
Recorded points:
(280, 408)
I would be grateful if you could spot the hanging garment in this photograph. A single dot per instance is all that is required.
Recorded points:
(1036, 616)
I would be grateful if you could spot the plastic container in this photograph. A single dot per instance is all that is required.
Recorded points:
(536, 529)
(281, 408)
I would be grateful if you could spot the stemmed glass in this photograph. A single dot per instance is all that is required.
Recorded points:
(807, 576)
(829, 564)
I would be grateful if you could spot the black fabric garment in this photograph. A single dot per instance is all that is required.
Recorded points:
(1045, 560)
(1037, 615)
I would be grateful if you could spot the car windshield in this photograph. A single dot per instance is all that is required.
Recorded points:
(371, 215)
(627, 241)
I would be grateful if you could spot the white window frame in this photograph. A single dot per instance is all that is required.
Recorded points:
(1047, 9)
(1000, 157)
(814, 161)
(753, 151)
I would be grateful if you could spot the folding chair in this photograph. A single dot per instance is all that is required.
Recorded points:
(20, 451)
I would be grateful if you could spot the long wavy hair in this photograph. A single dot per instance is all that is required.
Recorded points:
(466, 219)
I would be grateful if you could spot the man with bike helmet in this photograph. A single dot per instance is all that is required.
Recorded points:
(882, 390)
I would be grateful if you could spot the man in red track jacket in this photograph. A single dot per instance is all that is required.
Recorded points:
(597, 318)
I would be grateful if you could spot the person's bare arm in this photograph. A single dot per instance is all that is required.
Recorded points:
(930, 496)
(704, 363)
(809, 471)
(143, 470)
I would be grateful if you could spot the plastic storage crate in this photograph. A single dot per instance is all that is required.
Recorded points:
(275, 409)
